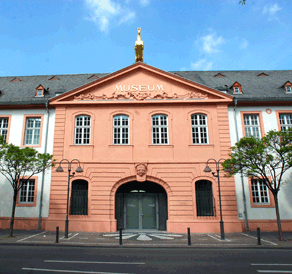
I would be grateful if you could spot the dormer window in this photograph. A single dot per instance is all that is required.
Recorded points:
(236, 88)
(93, 77)
(287, 86)
(15, 80)
(263, 74)
(54, 78)
(219, 75)
(40, 91)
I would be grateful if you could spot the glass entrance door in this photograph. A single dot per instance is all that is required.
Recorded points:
(141, 210)
(132, 209)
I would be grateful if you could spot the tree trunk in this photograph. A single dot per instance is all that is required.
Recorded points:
(13, 213)
(278, 216)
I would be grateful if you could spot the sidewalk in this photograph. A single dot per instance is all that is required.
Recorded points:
(146, 239)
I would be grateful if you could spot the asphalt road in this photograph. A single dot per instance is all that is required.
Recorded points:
(54, 259)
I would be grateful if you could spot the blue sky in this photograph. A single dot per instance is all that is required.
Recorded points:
(95, 36)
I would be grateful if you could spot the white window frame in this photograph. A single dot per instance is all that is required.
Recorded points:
(260, 192)
(40, 93)
(288, 89)
(121, 132)
(236, 90)
(4, 122)
(199, 123)
(285, 121)
(80, 138)
(159, 130)
(35, 130)
(27, 191)
(251, 125)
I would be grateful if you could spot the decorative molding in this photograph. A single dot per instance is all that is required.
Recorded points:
(141, 170)
(140, 96)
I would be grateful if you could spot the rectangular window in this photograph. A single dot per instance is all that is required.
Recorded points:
(27, 192)
(252, 125)
(285, 121)
(32, 131)
(199, 129)
(121, 130)
(288, 89)
(159, 130)
(260, 192)
(4, 127)
(236, 89)
(82, 130)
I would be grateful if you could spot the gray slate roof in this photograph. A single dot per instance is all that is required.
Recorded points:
(254, 88)
(24, 91)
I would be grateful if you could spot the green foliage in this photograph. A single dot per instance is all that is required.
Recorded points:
(242, 2)
(267, 158)
(17, 163)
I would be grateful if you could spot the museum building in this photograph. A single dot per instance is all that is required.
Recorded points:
(141, 138)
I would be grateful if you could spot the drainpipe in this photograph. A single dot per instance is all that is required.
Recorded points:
(241, 174)
(43, 173)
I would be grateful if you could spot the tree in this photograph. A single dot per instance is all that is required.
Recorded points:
(18, 165)
(242, 2)
(266, 159)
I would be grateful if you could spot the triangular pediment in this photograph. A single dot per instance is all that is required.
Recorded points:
(143, 83)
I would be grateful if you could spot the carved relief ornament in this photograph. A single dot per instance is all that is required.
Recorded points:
(141, 170)
(141, 96)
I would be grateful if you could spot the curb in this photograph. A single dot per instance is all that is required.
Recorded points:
(145, 246)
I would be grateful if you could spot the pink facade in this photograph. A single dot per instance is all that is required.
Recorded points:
(171, 158)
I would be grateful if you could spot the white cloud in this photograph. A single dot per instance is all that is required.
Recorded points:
(211, 43)
(271, 10)
(144, 2)
(243, 44)
(102, 12)
(202, 64)
(127, 17)
(141, 2)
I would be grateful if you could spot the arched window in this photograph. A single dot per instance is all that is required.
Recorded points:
(79, 197)
(159, 129)
(199, 129)
(82, 130)
(121, 130)
(204, 198)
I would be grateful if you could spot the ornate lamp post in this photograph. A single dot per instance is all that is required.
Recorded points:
(208, 169)
(60, 169)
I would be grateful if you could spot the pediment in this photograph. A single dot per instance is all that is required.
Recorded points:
(142, 83)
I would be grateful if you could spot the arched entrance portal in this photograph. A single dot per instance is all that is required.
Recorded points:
(141, 205)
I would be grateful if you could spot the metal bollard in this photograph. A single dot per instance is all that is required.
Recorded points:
(259, 235)
(121, 237)
(57, 234)
(189, 236)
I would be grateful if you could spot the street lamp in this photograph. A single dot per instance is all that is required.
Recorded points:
(60, 169)
(208, 169)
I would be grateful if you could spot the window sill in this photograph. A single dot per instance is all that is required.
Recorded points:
(199, 145)
(81, 145)
(26, 205)
(262, 205)
(33, 146)
(117, 145)
(166, 146)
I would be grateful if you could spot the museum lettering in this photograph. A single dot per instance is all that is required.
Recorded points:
(139, 88)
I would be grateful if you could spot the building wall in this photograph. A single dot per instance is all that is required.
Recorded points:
(26, 215)
(263, 217)
(176, 166)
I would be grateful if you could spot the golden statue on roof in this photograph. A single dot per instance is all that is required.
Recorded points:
(139, 47)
